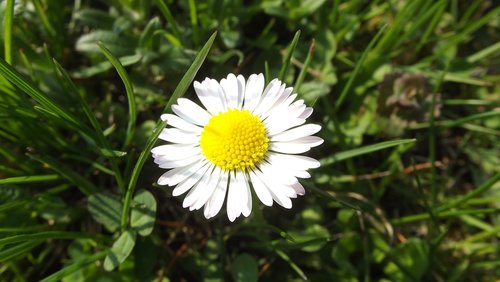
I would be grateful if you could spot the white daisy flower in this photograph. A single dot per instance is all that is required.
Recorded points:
(246, 136)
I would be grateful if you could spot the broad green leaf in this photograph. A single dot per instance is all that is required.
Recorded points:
(143, 213)
(409, 261)
(245, 268)
(106, 210)
(181, 88)
(363, 150)
(120, 250)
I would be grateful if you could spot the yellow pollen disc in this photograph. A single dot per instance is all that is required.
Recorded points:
(234, 140)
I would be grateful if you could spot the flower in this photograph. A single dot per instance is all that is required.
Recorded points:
(246, 135)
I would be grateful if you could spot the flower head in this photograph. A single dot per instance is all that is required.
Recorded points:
(246, 136)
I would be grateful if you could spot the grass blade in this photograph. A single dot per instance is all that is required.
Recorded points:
(59, 275)
(43, 236)
(170, 19)
(288, 57)
(132, 108)
(363, 150)
(29, 179)
(7, 30)
(357, 68)
(305, 67)
(20, 249)
(181, 88)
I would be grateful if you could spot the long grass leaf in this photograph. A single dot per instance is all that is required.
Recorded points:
(288, 57)
(7, 30)
(181, 88)
(132, 108)
(77, 265)
(363, 150)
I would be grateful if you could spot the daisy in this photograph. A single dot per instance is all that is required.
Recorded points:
(246, 136)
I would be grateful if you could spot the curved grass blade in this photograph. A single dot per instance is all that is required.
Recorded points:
(170, 19)
(43, 236)
(18, 250)
(132, 111)
(181, 88)
(29, 179)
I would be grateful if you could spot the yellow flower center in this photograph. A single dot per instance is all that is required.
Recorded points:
(234, 140)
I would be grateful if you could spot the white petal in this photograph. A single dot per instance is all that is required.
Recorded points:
(271, 94)
(176, 135)
(177, 122)
(301, 174)
(306, 113)
(241, 91)
(230, 86)
(261, 190)
(191, 112)
(279, 180)
(292, 162)
(253, 91)
(277, 194)
(216, 201)
(196, 192)
(178, 163)
(247, 195)
(295, 133)
(176, 175)
(209, 97)
(299, 189)
(185, 185)
(214, 204)
(236, 197)
(282, 97)
(174, 151)
(207, 191)
(281, 124)
(289, 148)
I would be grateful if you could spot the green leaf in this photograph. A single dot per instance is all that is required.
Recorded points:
(120, 250)
(181, 88)
(7, 30)
(112, 153)
(106, 210)
(288, 58)
(17, 250)
(42, 236)
(143, 213)
(132, 111)
(363, 150)
(75, 266)
(245, 268)
(29, 179)
(409, 261)
(117, 44)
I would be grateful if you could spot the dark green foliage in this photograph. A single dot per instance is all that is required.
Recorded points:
(406, 93)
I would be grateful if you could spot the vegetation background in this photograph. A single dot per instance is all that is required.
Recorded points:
(407, 93)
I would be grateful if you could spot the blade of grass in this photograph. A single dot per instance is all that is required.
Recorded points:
(17, 250)
(179, 91)
(357, 68)
(85, 186)
(292, 264)
(44, 236)
(481, 189)
(303, 71)
(193, 14)
(16, 78)
(77, 265)
(30, 179)
(288, 57)
(132, 111)
(7, 30)
(170, 19)
(363, 150)
(95, 124)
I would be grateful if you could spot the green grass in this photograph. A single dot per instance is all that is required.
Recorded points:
(407, 93)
